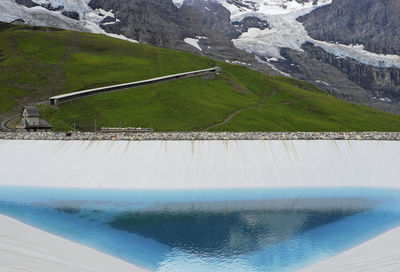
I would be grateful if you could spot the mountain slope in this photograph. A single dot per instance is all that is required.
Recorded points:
(271, 105)
(262, 34)
(40, 62)
(37, 63)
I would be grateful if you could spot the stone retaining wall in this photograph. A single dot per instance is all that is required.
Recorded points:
(388, 136)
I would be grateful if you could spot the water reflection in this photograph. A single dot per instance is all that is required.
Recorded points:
(224, 232)
(210, 230)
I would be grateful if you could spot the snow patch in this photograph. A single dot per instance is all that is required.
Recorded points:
(110, 23)
(104, 14)
(121, 37)
(323, 82)
(272, 66)
(385, 99)
(178, 3)
(193, 42)
(237, 62)
(272, 59)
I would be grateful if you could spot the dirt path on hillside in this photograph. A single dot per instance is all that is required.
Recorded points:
(274, 92)
(232, 115)
(250, 108)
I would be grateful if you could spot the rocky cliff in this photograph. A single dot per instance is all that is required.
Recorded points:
(344, 77)
(161, 23)
(372, 23)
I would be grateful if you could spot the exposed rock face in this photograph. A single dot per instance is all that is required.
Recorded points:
(304, 66)
(243, 4)
(108, 19)
(209, 15)
(153, 22)
(161, 23)
(31, 4)
(373, 23)
(249, 22)
(51, 8)
(380, 82)
(71, 14)
(26, 3)
(344, 77)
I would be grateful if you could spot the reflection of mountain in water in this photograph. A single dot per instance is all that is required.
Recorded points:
(209, 230)
(223, 228)
(225, 232)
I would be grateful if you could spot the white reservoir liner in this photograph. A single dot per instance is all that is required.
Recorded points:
(199, 164)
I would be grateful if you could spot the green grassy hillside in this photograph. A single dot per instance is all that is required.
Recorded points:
(36, 63)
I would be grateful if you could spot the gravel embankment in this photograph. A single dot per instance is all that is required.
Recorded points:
(171, 136)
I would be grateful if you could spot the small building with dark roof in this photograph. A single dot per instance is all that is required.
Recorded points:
(31, 120)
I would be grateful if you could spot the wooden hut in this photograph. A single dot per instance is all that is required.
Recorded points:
(31, 120)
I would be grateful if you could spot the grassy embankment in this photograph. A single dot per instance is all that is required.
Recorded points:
(36, 63)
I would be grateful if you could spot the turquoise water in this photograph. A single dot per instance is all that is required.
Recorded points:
(210, 229)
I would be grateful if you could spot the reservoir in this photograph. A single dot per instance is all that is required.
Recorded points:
(205, 205)
(209, 229)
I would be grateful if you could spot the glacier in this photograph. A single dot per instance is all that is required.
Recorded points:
(286, 32)
(39, 16)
